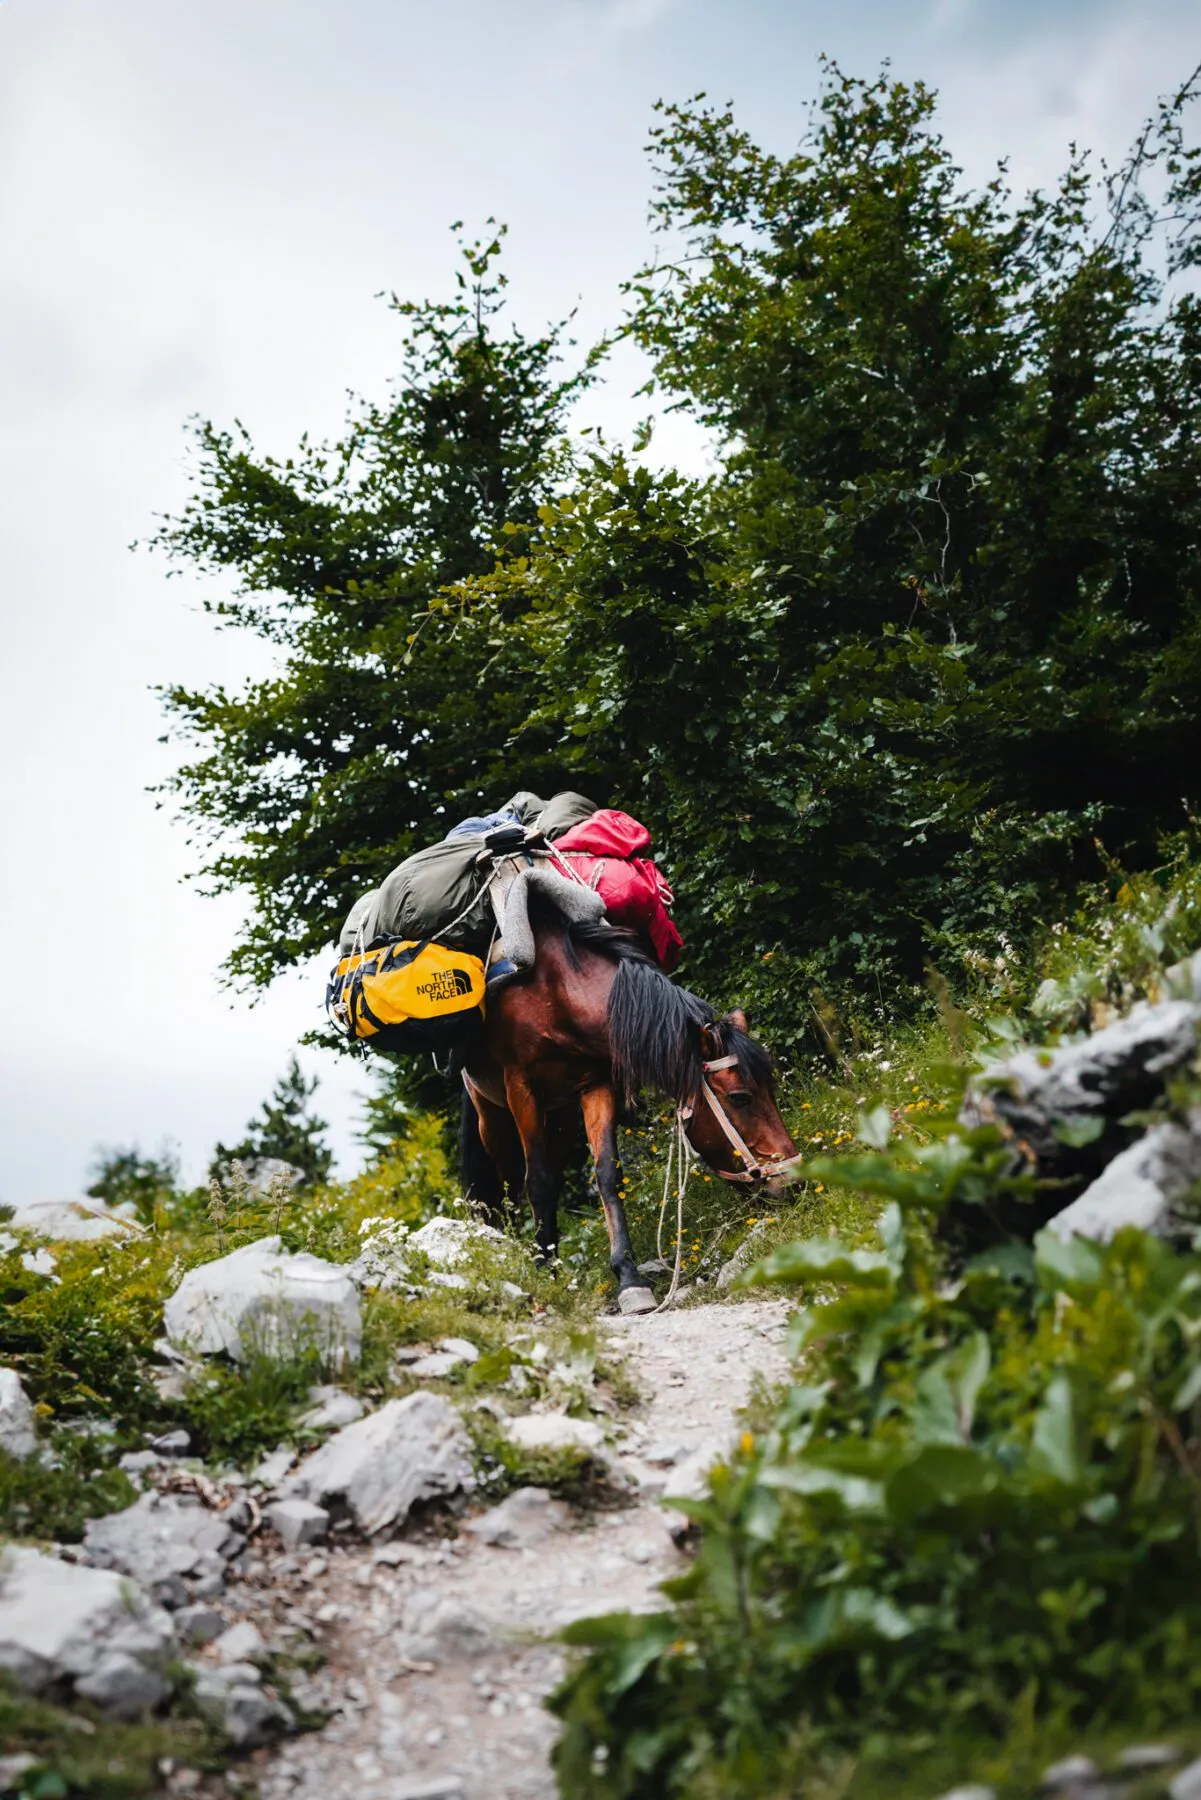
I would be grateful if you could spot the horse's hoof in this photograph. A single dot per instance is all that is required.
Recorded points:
(636, 1300)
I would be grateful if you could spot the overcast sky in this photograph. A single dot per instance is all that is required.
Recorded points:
(198, 204)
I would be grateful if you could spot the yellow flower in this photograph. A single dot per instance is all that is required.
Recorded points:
(746, 1442)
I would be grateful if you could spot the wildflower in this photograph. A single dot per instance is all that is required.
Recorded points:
(746, 1442)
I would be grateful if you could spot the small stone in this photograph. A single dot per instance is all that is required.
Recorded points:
(1187, 1785)
(436, 1366)
(555, 1431)
(13, 1767)
(1069, 1772)
(428, 1787)
(663, 1454)
(525, 1516)
(123, 1686)
(136, 1462)
(329, 1409)
(240, 1644)
(392, 1555)
(972, 1791)
(208, 1586)
(172, 1443)
(1147, 1756)
(408, 1354)
(274, 1467)
(234, 1697)
(463, 1348)
(298, 1522)
(198, 1623)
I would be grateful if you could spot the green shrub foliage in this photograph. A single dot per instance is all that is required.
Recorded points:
(979, 1501)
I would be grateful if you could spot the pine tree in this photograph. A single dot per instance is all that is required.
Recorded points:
(285, 1132)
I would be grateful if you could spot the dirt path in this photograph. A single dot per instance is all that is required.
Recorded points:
(434, 1655)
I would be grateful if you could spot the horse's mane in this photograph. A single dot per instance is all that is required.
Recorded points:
(655, 1027)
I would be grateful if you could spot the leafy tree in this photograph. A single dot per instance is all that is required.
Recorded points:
(285, 1131)
(310, 784)
(936, 627)
(125, 1176)
(881, 686)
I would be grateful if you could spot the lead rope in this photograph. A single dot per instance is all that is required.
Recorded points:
(685, 1162)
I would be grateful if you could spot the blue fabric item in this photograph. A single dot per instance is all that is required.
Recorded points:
(477, 827)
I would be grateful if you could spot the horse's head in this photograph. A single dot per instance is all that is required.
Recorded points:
(732, 1122)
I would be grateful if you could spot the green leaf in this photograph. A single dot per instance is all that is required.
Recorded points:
(1073, 1264)
(940, 1475)
(1054, 1448)
(1079, 1131)
(821, 1259)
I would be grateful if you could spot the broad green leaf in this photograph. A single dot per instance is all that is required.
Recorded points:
(1054, 1448)
(1076, 1132)
(1073, 1264)
(875, 1127)
(821, 1259)
(940, 1475)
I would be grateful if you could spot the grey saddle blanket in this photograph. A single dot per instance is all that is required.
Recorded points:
(576, 904)
(445, 892)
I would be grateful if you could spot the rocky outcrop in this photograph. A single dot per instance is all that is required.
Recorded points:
(64, 1628)
(1067, 1112)
(1143, 1186)
(377, 1470)
(395, 1257)
(261, 1298)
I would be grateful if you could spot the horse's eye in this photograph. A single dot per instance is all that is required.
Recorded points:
(739, 1097)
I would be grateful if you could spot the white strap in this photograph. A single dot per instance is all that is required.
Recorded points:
(720, 1062)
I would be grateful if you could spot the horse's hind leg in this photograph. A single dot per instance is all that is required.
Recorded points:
(600, 1122)
(490, 1160)
(543, 1163)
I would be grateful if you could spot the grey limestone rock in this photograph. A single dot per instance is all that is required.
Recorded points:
(329, 1409)
(377, 1469)
(298, 1522)
(524, 1517)
(64, 1625)
(1187, 1785)
(1142, 1186)
(439, 1629)
(159, 1537)
(17, 1434)
(198, 1623)
(241, 1643)
(233, 1696)
(1100, 1077)
(260, 1297)
(555, 1431)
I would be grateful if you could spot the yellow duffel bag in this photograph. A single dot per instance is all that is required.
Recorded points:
(405, 995)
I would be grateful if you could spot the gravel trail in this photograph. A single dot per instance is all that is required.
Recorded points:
(435, 1659)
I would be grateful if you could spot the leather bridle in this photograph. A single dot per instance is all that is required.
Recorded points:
(755, 1169)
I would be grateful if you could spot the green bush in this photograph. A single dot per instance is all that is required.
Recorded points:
(978, 1503)
(53, 1495)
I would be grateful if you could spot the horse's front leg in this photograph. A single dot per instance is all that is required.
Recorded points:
(543, 1168)
(600, 1122)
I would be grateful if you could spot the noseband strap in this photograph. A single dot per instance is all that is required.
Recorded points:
(753, 1169)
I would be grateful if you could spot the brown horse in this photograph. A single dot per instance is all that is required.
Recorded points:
(596, 1019)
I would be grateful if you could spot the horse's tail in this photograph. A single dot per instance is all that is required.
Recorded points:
(654, 1031)
(480, 1175)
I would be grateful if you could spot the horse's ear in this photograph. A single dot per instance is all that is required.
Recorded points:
(710, 1043)
(738, 1019)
